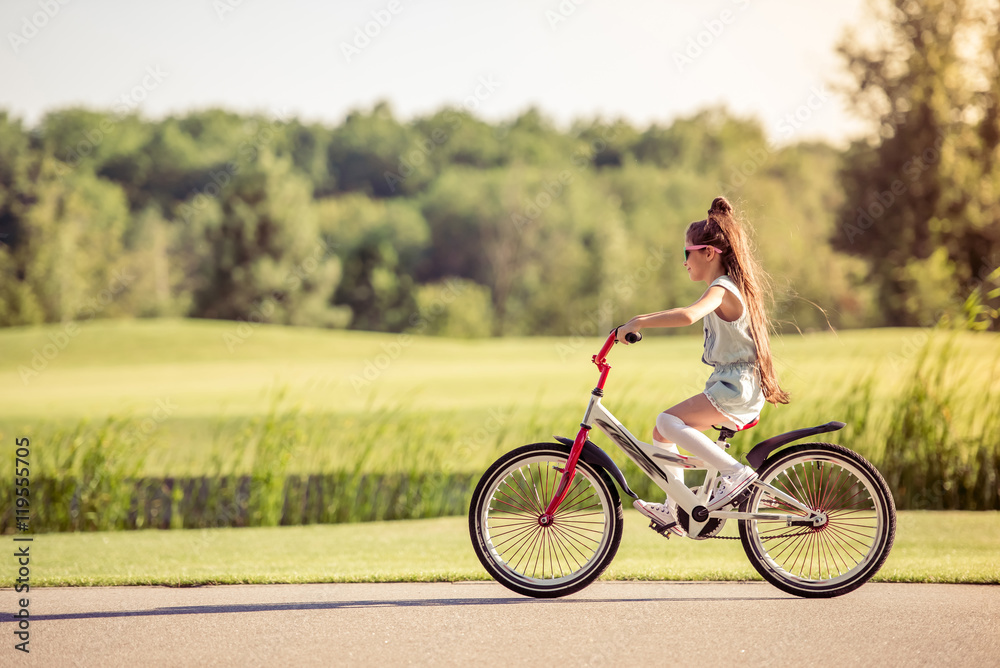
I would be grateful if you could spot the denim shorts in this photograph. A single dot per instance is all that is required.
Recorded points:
(735, 391)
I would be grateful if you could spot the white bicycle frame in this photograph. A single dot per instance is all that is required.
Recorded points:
(639, 452)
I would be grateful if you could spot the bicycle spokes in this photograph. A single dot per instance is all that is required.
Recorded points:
(834, 548)
(566, 544)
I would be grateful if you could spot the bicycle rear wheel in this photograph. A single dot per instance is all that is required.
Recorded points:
(842, 554)
(544, 561)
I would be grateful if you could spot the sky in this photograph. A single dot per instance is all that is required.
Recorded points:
(642, 60)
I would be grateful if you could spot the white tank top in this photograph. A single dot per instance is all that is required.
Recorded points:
(728, 342)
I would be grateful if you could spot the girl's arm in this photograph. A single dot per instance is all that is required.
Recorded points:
(676, 317)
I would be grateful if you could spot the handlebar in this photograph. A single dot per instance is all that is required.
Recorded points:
(601, 357)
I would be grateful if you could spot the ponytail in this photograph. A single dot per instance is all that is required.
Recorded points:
(722, 230)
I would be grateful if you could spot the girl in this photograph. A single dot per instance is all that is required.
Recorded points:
(736, 346)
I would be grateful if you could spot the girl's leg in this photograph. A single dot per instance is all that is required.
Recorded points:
(675, 472)
(682, 424)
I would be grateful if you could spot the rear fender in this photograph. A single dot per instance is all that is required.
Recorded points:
(594, 456)
(763, 450)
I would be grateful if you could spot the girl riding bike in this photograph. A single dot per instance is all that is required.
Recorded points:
(815, 519)
(717, 252)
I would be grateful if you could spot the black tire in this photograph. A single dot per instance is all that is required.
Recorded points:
(551, 561)
(841, 555)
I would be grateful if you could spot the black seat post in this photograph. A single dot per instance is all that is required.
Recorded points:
(725, 433)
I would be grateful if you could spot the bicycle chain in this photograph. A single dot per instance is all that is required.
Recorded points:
(784, 535)
(790, 534)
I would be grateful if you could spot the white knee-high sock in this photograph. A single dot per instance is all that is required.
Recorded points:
(675, 472)
(695, 442)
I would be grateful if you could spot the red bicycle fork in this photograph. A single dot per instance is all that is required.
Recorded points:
(600, 359)
(545, 519)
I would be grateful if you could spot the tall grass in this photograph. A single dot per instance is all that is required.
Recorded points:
(81, 478)
(935, 439)
(932, 459)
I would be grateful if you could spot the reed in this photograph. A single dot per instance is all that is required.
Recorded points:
(86, 480)
(932, 459)
(935, 439)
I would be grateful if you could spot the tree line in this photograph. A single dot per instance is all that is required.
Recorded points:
(922, 196)
(471, 228)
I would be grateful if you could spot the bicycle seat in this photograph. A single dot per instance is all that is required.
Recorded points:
(728, 432)
(752, 423)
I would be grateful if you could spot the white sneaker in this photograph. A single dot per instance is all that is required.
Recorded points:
(661, 513)
(731, 486)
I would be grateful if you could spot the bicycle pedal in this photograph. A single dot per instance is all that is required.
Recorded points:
(662, 530)
(736, 501)
(741, 497)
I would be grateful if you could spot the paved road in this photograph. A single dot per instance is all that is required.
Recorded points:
(634, 624)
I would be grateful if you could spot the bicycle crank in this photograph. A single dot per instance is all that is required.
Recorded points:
(712, 526)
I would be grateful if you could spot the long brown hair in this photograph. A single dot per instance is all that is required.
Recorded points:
(722, 230)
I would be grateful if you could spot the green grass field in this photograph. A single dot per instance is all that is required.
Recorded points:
(205, 398)
(930, 547)
(393, 402)
(399, 425)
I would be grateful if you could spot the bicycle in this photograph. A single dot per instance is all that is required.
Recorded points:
(546, 518)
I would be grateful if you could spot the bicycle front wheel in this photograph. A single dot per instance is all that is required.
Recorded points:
(544, 561)
(842, 554)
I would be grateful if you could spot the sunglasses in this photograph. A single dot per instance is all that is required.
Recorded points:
(688, 249)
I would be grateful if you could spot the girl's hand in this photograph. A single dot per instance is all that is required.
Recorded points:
(629, 327)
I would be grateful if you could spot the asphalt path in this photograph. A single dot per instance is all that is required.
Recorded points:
(451, 624)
